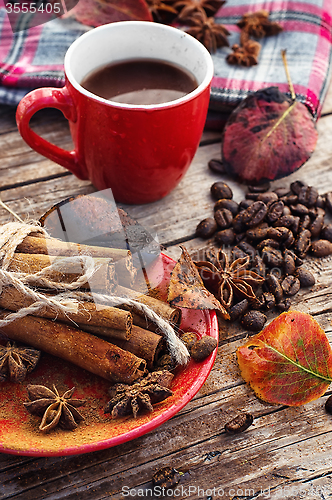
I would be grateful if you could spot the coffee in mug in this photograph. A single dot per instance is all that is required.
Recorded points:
(139, 150)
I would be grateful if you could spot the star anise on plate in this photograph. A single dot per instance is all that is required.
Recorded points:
(16, 362)
(130, 399)
(54, 409)
(227, 280)
(208, 32)
(258, 25)
(187, 8)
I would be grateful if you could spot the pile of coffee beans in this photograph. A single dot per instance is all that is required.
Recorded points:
(277, 229)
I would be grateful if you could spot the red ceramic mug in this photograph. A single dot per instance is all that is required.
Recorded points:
(139, 151)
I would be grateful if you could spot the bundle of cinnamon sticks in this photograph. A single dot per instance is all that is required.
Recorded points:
(116, 343)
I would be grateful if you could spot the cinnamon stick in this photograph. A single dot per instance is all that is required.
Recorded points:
(110, 318)
(104, 278)
(143, 343)
(81, 348)
(53, 246)
(163, 309)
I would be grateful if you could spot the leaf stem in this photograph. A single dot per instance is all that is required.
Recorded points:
(276, 125)
(289, 80)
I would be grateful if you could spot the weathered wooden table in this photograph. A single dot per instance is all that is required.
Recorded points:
(286, 453)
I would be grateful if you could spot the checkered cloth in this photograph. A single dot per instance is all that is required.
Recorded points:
(34, 57)
(307, 36)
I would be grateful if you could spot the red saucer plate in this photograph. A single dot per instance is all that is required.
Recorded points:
(19, 432)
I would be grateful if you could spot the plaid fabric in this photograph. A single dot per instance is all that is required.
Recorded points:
(307, 37)
(34, 57)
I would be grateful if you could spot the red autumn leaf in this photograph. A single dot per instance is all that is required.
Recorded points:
(268, 136)
(289, 362)
(186, 288)
(98, 12)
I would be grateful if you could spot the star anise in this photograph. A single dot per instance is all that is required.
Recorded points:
(53, 408)
(162, 11)
(209, 33)
(226, 280)
(127, 399)
(245, 55)
(16, 362)
(187, 8)
(258, 25)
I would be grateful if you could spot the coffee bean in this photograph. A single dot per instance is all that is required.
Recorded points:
(272, 257)
(290, 199)
(238, 237)
(206, 228)
(279, 233)
(286, 210)
(290, 285)
(275, 287)
(328, 405)
(259, 232)
(220, 190)
(305, 222)
(328, 201)
(299, 209)
(225, 237)
(320, 201)
(254, 214)
(288, 239)
(321, 248)
(238, 222)
(302, 243)
(327, 232)
(245, 204)
(229, 204)
(275, 211)
(258, 265)
(252, 196)
(269, 242)
(282, 191)
(239, 424)
(308, 196)
(237, 253)
(289, 264)
(269, 300)
(297, 186)
(305, 276)
(284, 305)
(247, 248)
(288, 221)
(203, 348)
(223, 218)
(238, 310)
(254, 321)
(217, 166)
(260, 188)
(268, 197)
(166, 477)
(316, 226)
(297, 260)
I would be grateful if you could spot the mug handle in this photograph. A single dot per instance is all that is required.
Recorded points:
(48, 97)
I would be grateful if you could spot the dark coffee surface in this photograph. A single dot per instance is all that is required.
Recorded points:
(140, 81)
